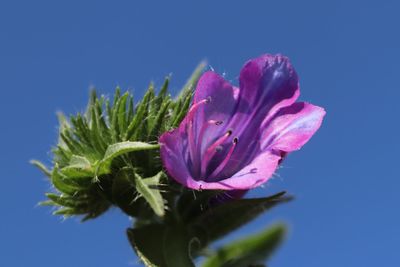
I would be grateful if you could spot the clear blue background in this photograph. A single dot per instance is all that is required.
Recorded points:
(345, 179)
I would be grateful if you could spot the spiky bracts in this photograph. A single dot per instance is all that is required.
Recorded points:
(109, 154)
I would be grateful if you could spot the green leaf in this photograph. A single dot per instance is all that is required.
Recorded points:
(105, 132)
(118, 149)
(68, 212)
(80, 167)
(88, 148)
(130, 111)
(176, 247)
(185, 97)
(125, 195)
(192, 203)
(151, 102)
(162, 95)
(194, 78)
(68, 141)
(47, 203)
(147, 242)
(96, 208)
(61, 155)
(62, 120)
(67, 201)
(77, 160)
(122, 113)
(95, 131)
(61, 184)
(81, 129)
(140, 115)
(153, 196)
(158, 120)
(41, 167)
(181, 110)
(248, 251)
(113, 115)
(227, 217)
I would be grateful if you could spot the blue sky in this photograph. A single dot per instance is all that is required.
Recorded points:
(347, 56)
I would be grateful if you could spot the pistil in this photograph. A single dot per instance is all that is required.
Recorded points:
(228, 156)
(211, 150)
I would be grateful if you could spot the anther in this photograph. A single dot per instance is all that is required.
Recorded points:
(214, 122)
(218, 148)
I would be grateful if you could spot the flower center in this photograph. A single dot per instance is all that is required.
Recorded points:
(200, 161)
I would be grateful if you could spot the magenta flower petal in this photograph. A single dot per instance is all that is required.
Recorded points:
(234, 138)
(257, 172)
(292, 127)
(268, 83)
(173, 158)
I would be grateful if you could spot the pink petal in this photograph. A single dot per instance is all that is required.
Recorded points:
(268, 82)
(254, 174)
(292, 127)
(173, 156)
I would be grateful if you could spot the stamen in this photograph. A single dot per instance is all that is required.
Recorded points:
(211, 150)
(222, 165)
(190, 116)
(195, 107)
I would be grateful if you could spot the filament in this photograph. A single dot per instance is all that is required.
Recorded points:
(189, 118)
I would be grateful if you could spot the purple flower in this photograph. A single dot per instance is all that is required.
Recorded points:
(234, 138)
